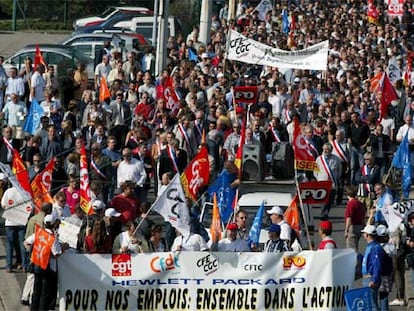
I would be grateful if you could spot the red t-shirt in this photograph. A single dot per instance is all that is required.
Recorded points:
(129, 207)
(356, 211)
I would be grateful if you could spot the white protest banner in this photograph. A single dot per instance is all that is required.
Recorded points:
(394, 214)
(171, 205)
(17, 208)
(68, 233)
(308, 280)
(250, 51)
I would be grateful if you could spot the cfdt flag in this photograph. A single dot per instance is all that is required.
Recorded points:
(196, 174)
(254, 233)
(225, 193)
(172, 207)
(358, 299)
(33, 118)
(401, 160)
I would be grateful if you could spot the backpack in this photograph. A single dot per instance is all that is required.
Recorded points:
(386, 263)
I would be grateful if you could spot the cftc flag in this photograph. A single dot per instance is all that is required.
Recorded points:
(171, 205)
(33, 119)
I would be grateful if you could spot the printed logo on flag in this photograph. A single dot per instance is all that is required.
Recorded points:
(121, 265)
(293, 262)
(162, 264)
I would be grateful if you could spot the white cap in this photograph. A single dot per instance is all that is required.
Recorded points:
(382, 230)
(204, 55)
(275, 210)
(296, 80)
(369, 229)
(111, 212)
(98, 205)
(50, 218)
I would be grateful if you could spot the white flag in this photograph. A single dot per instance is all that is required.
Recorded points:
(394, 214)
(171, 205)
(263, 7)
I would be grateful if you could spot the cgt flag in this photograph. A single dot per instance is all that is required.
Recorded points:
(196, 174)
(42, 184)
(172, 206)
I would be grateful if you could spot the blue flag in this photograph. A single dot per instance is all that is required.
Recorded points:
(192, 56)
(33, 118)
(225, 194)
(358, 299)
(285, 22)
(254, 233)
(402, 161)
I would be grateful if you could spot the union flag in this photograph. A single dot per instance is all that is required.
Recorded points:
(42, 247)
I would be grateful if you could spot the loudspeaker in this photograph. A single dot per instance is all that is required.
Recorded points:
(253, 163)
(282, 161)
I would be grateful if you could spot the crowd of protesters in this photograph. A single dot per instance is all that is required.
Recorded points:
(126, 136)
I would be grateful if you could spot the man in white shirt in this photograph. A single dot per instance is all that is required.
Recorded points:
(131, 169)
(232, 243)
(276, 216)
(102, 70)
(15, 84)
(14, 111)
(38, 84)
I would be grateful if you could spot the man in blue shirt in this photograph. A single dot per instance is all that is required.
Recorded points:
(371, 264)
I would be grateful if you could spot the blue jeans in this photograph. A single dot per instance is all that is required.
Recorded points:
(13, 233)
(374, 295)
(384, 301)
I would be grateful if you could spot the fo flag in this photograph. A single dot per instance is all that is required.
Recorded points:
(245, 94)
(196, 174)
(304, 160)
(315, 192)
(171, 205)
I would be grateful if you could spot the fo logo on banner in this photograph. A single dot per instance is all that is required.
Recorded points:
(121, 265)
(290, 262)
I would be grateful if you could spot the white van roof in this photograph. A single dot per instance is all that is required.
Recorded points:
(269, 198)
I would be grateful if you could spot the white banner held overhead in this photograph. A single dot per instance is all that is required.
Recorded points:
(250, 51)
(308, 280)
(394, 214)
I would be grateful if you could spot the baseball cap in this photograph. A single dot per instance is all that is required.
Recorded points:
(296, 80)
(220, 75)
(232, 226)
(275, 210)
(204, 55)
(274, 228)
(326, 225)
(50, 219)
(111, 212)
(369, 229)
(98, 205)
(382, 230)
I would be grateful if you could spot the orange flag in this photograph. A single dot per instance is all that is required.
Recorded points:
(215, 228)
(292, 214)
(42, 247)
(41, 185)
(38, 58)
(103, 90)
(85, 189)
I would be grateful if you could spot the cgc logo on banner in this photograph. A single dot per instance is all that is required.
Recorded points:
(209, 263)
(121, 265)
(296, 262)
(161, 264)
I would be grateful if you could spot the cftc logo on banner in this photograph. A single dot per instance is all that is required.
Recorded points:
(121, 265)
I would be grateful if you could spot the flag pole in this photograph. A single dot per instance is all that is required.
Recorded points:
(302, 209)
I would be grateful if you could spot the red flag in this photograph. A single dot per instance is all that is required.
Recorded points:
(85, 189)
(196, 174)
(245, 94)
(42, 247)
(239, 153)
(167, 91)
(292, 214)
(383, 89)
(215, 228)
(38, 58)
(103, 90)
(41, 186)
(372, 13)
(304, 160)
(19, 168)
(315, 192)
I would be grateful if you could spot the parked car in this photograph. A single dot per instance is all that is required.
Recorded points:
(108, 14)
(111, 22)
(61, 56)
(91, 43)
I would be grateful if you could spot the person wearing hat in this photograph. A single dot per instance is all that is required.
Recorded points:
(325, 231)
(371, 264)
(232, 243)
(276, 216)
(386, 280)
(275, 244)
(98, 208)
(45, 281)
